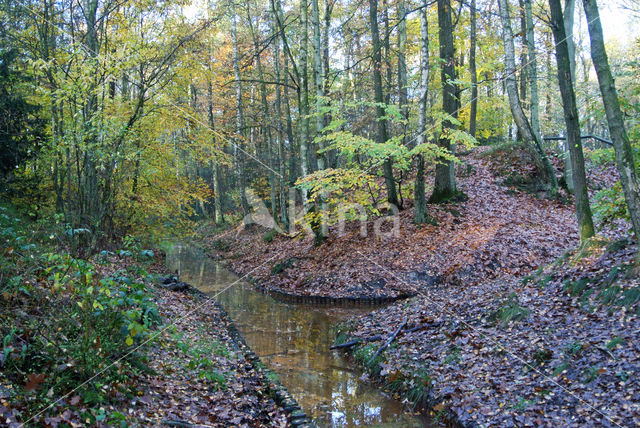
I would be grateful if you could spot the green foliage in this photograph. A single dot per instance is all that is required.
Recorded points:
(613, 343)
(221, 245)
(453, 355)
(522, 404)
(609, 204)
(363, 354)
(576, 288)
(419, 387)
(351, 192)
(510, 311)
(573, 348)
(21, 128)
(282, 265)
(68, 321)
(269, 235)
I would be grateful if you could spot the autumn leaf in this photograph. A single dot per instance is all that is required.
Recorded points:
(34, 381)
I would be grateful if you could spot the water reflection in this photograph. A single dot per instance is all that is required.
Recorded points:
(293, 340)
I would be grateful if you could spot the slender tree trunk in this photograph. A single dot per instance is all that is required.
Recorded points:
(331, 155)
(293, 170)
(532, 70)
(381, 133)
(420, 209)
(304, 95)
(621, 144)
(217, 188)
(533, 141)
(266, 119)
(568, 22)
(239, 119)
(318, 78)
(569, 18)
(523, 61)
(282, 185)
(473, 113)
(583, 211)
(403, 102)
(445, 186)
(92, 195)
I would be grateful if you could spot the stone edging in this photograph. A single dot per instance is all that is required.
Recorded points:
(281, 396)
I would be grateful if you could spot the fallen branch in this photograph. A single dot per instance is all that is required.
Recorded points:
(355, 342)
(388, 342)
(375, 338)
(177, 423)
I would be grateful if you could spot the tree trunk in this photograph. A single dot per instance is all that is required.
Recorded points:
(403, 102)
(568, 19)
(524, 81)
(217, 190)
(583, 211)
(533, 71)
(533, 141)
(445, 186)
(282, 187)
(239, 119)
(293, 169)
(266, 119)
(473, 113)
(568, 22)
(381, 133)
(303, 97)
(318, 78)
(420, 209)
(624, 155)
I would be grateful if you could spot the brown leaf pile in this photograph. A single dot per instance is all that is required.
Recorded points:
(496, 232)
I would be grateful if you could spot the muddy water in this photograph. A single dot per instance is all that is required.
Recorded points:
(293, 340)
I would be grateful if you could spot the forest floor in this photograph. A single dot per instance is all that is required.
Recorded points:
(199, 373)
(510, 326)
(99, 342)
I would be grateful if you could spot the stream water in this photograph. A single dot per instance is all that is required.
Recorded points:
(293, 340)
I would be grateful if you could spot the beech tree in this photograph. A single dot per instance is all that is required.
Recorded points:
(574, 141)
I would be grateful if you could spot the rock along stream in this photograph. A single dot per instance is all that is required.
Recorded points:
(293, 340)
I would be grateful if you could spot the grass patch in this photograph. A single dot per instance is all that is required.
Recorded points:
(419, 388)
(510, 311)
(613, 343)
(269, 236)
(453, 355)
(576, 288)
(282, 265)
(221, 245)
(363, 354)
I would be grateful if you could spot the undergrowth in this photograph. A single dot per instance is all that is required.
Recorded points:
(64, 319)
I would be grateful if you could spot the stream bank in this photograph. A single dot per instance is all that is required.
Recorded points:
(293, 341)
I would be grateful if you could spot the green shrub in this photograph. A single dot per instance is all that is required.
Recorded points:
(609, 204)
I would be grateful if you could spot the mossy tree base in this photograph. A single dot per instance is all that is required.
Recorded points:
(441, 197)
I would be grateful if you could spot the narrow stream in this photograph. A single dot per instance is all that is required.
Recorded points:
(293, 340)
